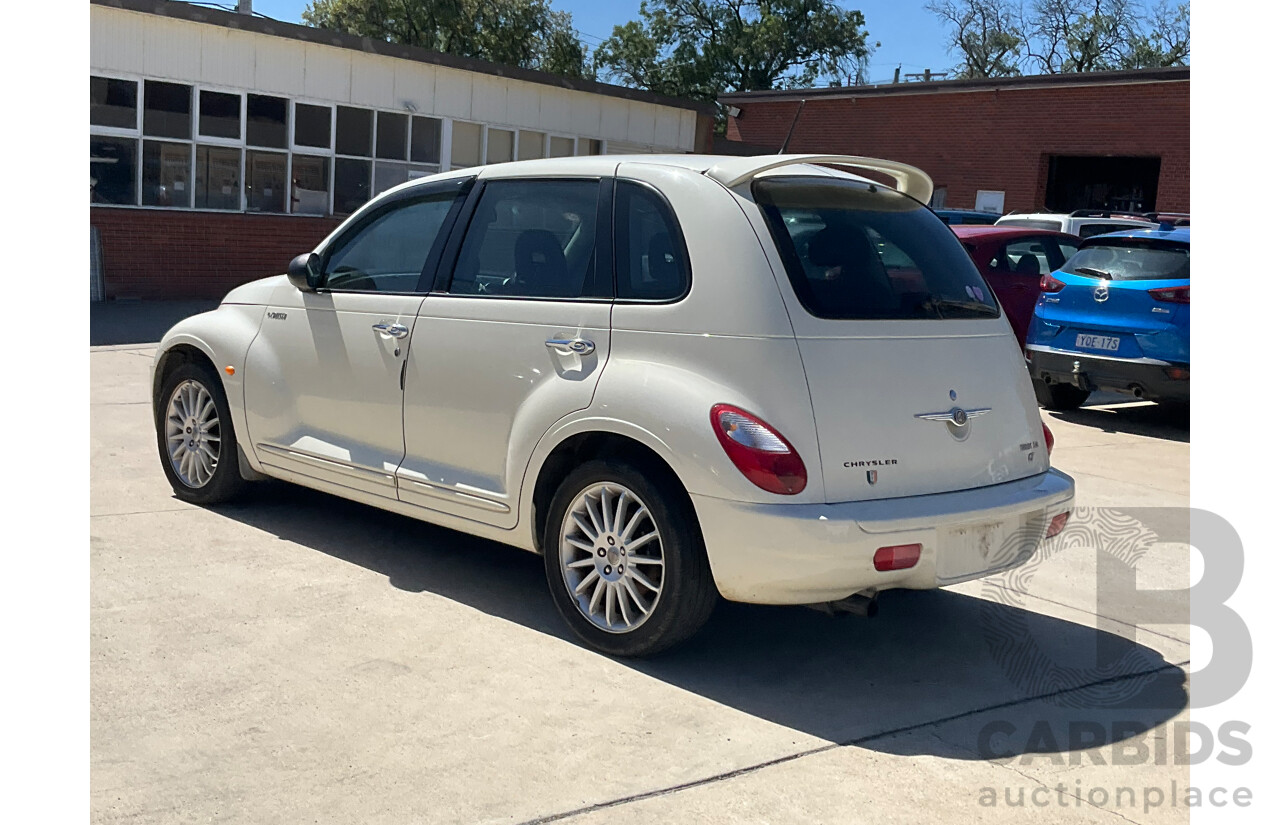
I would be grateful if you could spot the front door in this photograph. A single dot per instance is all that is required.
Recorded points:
(323, 391)
(515, 340)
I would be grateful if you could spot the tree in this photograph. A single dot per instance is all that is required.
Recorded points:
(984, 32)
(702, 48)
(1080, 35)
(527, 33)
(1166, 43)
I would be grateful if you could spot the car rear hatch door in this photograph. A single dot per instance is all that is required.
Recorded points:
(917, 383)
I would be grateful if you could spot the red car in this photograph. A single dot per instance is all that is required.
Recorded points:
(1012, 259)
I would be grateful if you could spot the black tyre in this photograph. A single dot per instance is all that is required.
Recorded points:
(625, 560)
(195, 436)
(1060, 396)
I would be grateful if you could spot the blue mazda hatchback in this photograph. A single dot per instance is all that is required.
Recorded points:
(1116, 316)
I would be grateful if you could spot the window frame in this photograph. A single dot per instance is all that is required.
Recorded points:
(603, 241)
(461, 188)
(679, 244)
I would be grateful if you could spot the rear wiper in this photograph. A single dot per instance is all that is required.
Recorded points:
(1097, 273)
(938, 304)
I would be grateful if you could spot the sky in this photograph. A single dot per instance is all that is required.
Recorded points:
(907, 33)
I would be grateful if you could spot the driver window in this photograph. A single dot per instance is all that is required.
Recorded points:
(389, 253)
(531, 239)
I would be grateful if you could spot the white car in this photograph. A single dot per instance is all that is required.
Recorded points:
(1083, 223)
(675, 377)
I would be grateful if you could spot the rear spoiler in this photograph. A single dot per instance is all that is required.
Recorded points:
(907, 179)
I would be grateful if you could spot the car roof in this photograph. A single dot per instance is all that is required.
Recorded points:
(1178, 234)
(981, 232)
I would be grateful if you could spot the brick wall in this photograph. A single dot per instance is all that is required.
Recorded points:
(158, 254)
(993, 139)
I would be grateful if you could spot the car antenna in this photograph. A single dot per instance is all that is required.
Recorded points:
(792, 130)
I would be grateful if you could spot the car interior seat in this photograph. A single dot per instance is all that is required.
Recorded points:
(1028, 264)
(540, 266)
(861, 285)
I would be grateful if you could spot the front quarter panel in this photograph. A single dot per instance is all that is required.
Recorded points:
(223, 335)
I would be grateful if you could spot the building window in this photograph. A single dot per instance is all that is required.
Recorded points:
(502, 146)
(561, 147)
(355, 132)
(219, 115)
(393, 136)
(166, 110)
(425, 142)
(166, 173)
(350, 184)
(217, 177)
(589, 146)
(312, 125)
(531, 145)
(113, 170)
(265, 174)
(310, 185)
(113, 103)
(466, 145)
(267, 122)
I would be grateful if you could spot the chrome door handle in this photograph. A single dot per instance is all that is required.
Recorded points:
(572, 346)
(394, 330)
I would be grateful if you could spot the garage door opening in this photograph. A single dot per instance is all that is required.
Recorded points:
(1125, 184)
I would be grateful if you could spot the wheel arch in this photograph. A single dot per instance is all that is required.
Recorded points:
(587, 442)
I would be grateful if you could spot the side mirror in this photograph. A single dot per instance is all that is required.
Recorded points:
(303, 271)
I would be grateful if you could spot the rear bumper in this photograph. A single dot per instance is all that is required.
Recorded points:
(1140, 377)
(811, 553)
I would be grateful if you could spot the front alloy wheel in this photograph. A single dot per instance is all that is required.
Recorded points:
(193, 434)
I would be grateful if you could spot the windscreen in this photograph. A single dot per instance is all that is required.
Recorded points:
(858, 251)
(1132, 259)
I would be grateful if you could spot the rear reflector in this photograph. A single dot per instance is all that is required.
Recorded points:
(1178, 373)
(897, 557)
(758, 451)
(1048, 438)
(1057, 524)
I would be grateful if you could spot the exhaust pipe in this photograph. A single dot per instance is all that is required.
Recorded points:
(859, 604)
(1136, 390)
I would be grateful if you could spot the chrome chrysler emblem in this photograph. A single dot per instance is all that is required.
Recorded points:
(956, 418)
(1101, 294)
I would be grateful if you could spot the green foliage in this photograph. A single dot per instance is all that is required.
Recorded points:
(527, 33)
(702, 48)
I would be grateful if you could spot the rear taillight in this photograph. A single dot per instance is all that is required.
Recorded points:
(897, 557)
(1048, 283)
(1172, 294)
(1048, 438)
(1057, 524)
(758, 451)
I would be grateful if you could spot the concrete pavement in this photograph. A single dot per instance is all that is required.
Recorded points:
(300, 658)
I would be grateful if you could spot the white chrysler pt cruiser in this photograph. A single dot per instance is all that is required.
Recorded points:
(674, 377)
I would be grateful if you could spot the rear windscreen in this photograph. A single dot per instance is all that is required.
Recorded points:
(1132, 260)
(858, 251)
(1031, 223)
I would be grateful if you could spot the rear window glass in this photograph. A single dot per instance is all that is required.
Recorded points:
(1088, 230)
(861, 252)
(1030, 223)
(1135, 260)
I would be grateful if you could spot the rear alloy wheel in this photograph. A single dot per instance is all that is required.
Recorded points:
(196, 439)
(625, 560)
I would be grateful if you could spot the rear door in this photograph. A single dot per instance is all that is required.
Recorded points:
(917, 384)
(1014, 272)
(513, 338)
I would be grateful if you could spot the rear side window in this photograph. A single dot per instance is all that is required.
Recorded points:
(1132, 260)
(650, 257)
(857, 251)
(531, 239)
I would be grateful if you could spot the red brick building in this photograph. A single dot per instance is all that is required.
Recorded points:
(1116, 140)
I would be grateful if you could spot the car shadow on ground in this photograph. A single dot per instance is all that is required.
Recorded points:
(928, 657)
(1118, 414)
